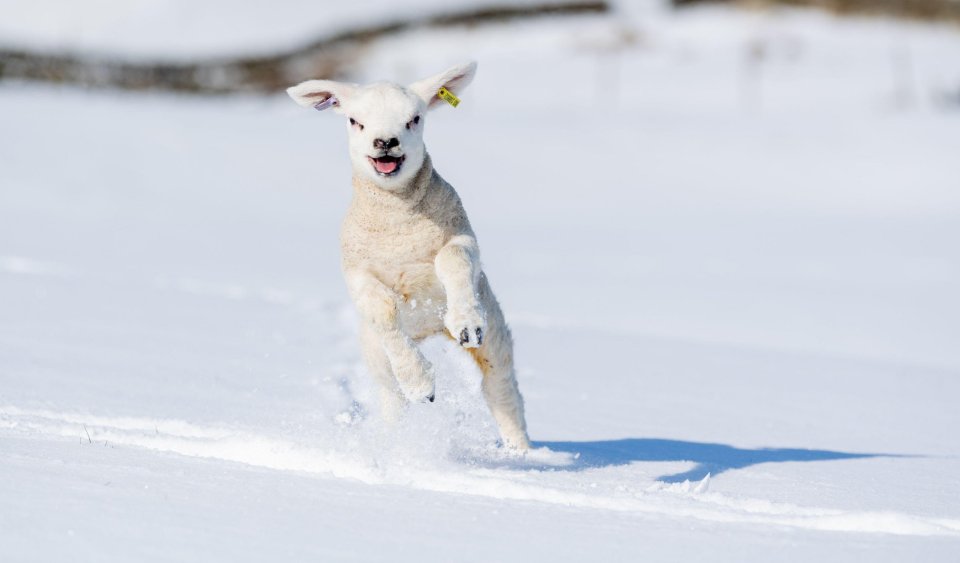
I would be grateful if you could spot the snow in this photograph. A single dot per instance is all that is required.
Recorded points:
(732, 286)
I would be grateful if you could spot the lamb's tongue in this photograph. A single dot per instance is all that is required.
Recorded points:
(384, 166)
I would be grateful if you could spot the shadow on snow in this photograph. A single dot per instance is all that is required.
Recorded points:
(709, 458)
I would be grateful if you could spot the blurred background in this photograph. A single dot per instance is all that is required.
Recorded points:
(730, 222)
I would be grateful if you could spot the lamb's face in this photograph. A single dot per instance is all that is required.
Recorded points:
(385, 121)
(385, 128)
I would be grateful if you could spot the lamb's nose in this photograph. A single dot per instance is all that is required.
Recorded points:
(386, 144)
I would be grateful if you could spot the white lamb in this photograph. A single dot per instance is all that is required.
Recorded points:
(410, 258)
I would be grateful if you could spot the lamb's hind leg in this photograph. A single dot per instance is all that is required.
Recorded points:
(495, 358)
(390, 397)
(382, 334)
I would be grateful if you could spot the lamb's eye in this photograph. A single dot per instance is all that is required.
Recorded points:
(357, 123)
(413, 122)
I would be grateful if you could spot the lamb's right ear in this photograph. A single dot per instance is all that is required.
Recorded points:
(314, 93)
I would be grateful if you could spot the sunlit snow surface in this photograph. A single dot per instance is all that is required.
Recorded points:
(732, 284)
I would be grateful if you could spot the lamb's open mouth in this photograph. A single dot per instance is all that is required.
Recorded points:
(386, 165)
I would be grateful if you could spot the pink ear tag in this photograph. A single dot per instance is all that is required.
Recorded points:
(329, 102)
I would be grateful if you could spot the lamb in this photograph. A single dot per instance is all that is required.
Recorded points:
(409, 256)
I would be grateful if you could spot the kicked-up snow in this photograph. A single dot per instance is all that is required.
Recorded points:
(725, 242)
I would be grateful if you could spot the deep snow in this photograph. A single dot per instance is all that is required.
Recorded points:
(711, 266)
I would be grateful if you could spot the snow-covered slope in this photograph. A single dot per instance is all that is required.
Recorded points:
(716, 262)
(185, 29)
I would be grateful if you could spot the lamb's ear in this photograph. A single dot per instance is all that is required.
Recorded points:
(313, 93)
(454, 79)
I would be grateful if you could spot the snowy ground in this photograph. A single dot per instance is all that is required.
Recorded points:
(712, 266)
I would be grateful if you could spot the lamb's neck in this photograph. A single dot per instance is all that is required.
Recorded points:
(406, 196)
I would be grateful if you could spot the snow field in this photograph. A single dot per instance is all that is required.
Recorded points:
(712, 268)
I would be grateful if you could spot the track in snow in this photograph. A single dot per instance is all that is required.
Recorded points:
(539, 477)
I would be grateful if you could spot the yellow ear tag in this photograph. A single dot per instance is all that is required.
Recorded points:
(447, 96)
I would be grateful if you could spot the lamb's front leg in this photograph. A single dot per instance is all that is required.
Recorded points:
(377, 305)
(458, 268)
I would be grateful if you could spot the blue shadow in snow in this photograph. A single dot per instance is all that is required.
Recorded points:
(709, 458)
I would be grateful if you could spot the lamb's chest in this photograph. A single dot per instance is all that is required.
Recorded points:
(400, 253)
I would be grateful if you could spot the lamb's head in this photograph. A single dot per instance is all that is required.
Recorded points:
(384, 120)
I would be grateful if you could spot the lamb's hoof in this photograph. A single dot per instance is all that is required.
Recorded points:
(416, 380)
(465, 337)
(431, 397)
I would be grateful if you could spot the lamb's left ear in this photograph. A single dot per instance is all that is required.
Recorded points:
(454, 79)
(313, 93)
